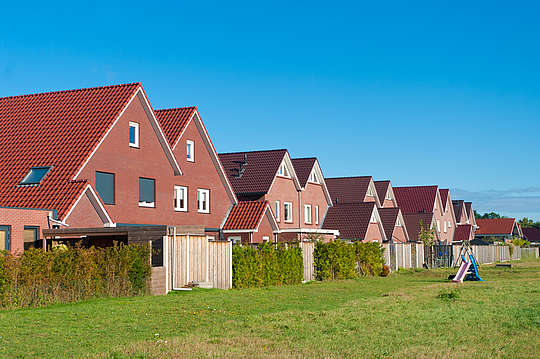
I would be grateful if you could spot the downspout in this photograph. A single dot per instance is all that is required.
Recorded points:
(299, 214)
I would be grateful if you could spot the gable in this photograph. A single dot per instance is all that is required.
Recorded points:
(350, 189)
(417, 199)
(88, 211)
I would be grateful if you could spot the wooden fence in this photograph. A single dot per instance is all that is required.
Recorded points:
(309, 260)
(220, 264)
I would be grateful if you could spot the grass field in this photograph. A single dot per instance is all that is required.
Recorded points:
(414, 314)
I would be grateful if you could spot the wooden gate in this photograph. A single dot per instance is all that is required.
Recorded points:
(220, 264)
(307, 253)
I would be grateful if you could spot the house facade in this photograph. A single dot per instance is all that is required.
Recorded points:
(359, 221)
(385, 194)
(498, 229)
(394, 225)
(251, 222)
(352, 190)
(100, 157)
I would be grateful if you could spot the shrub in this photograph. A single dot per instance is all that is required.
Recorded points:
(370, 258)
(520, 242)
(69, 274)
(385, 271)
(334, 260)
(266, 265)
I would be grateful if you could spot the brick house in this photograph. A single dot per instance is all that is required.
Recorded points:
(427, 199)
(416, 221)
(100, 157)
(358, 221)
(251, 222)
(298, 206)
(460, 211)
(498, 229)
(394, 225)
(352, 190)
(385, 194)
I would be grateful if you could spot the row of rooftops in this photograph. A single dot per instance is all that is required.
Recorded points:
(77, 120)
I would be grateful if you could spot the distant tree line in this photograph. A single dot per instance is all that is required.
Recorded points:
(524, 222)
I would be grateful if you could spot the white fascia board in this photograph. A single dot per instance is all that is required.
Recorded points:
(309, 230)
(239, 230)
(96, 203)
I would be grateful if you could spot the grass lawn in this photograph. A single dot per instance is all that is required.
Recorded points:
(413, 314)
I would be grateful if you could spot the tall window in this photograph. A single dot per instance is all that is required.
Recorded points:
(438, 226)
(133, 134)
(277, 210)
(283, 170)
(31, 237)
(5, 237)
(373, 217)
(190, 151)
(370, 191)
(388, 196)
(203, 200)
(180, 198)
(444, 226)
(105, 186)
(147, 192)
(287, 212)
(307, 214)
(316, 214)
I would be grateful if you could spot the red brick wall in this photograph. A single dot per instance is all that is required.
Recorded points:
(18, 218)
(284, 190)
(84, 215)
(387, 203)
(399, 235)
(373, 233)
(445, 217)
(313, 194)
(149, 160)
(265, 230)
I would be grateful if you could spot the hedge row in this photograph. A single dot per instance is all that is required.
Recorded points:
(266, 265)
(341, 260)
(69, 274)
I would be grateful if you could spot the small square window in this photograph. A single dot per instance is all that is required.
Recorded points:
(134, 134)
(203, 200)
(35, 175)
(190, 151)
(147, 192)
(180, 198)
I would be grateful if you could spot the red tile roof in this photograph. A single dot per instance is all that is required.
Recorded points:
(416, 199)
(470, 212)
(348, 189)
(532, 234)
(444, 197)
(388, 218)
(259, 172)
(382, 189)
(58, 129)
(495, 226)
(458, 209)
(303, 168)
(462, 232)
(173, 121)
(246, 215)
(351, 219)
(412, 222)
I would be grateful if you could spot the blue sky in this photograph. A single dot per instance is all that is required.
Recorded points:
(443, 93)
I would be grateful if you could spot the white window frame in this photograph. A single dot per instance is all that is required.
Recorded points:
(398, 222)
(449, 224)
(179, 189)
(266, 239)
(373, 218)
(235, 239)
(445, 228)
(313, 178)
(316, 214)
(308, 214)
(438, 226)
(283, 171)
(277, 211)
(137, 137)
(290, 212)
(388, 196)
(190, 155)
(201, 191)
(370, 192)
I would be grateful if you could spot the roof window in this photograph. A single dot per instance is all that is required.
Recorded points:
(35, 176)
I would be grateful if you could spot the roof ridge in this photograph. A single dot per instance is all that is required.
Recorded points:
(176, 108)
(242, 152)
(304, 158)
(422, 186)
(327, 178)
(72, 90)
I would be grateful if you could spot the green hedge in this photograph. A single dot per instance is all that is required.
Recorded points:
(341, 260)
(69, 274)
(266, 265)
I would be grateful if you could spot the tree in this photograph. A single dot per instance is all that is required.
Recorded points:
(426, 235)
(490, 215)
(528, 223)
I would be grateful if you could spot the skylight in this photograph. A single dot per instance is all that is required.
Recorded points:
(35, 175)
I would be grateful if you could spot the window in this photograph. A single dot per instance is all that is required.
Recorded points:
(180, 198)
(283, 170)
(287, 212)
(388, 196)
(31, 237)
(313, 177)
(307, 214)
(398, 222)
(370, 191)
(445, 227)
(35, 175)
(235, 239)
(133, 134)
(266, 239)
(5, 237)
(316, 214)
(147, 192)
(203, 200)
(449, 224)
(156, 258)
(373, 218)
(190, 149)
(438, 226)
(277, 211)
(105, 186)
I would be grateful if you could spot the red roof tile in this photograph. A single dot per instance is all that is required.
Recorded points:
(458, 209)
(58, 129)
(173, 121)
(412, 222)
(416, 199)
(495, 226)
(246, 215)
(532, 234)
(444, 197)
(348, 189)
(259, 172)
(462, 232)
(382, 189)
(351, 219)
(388, 218)
(303, 167)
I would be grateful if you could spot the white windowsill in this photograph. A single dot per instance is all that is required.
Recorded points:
(147, 204)
(201, 211)
(180, 209)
